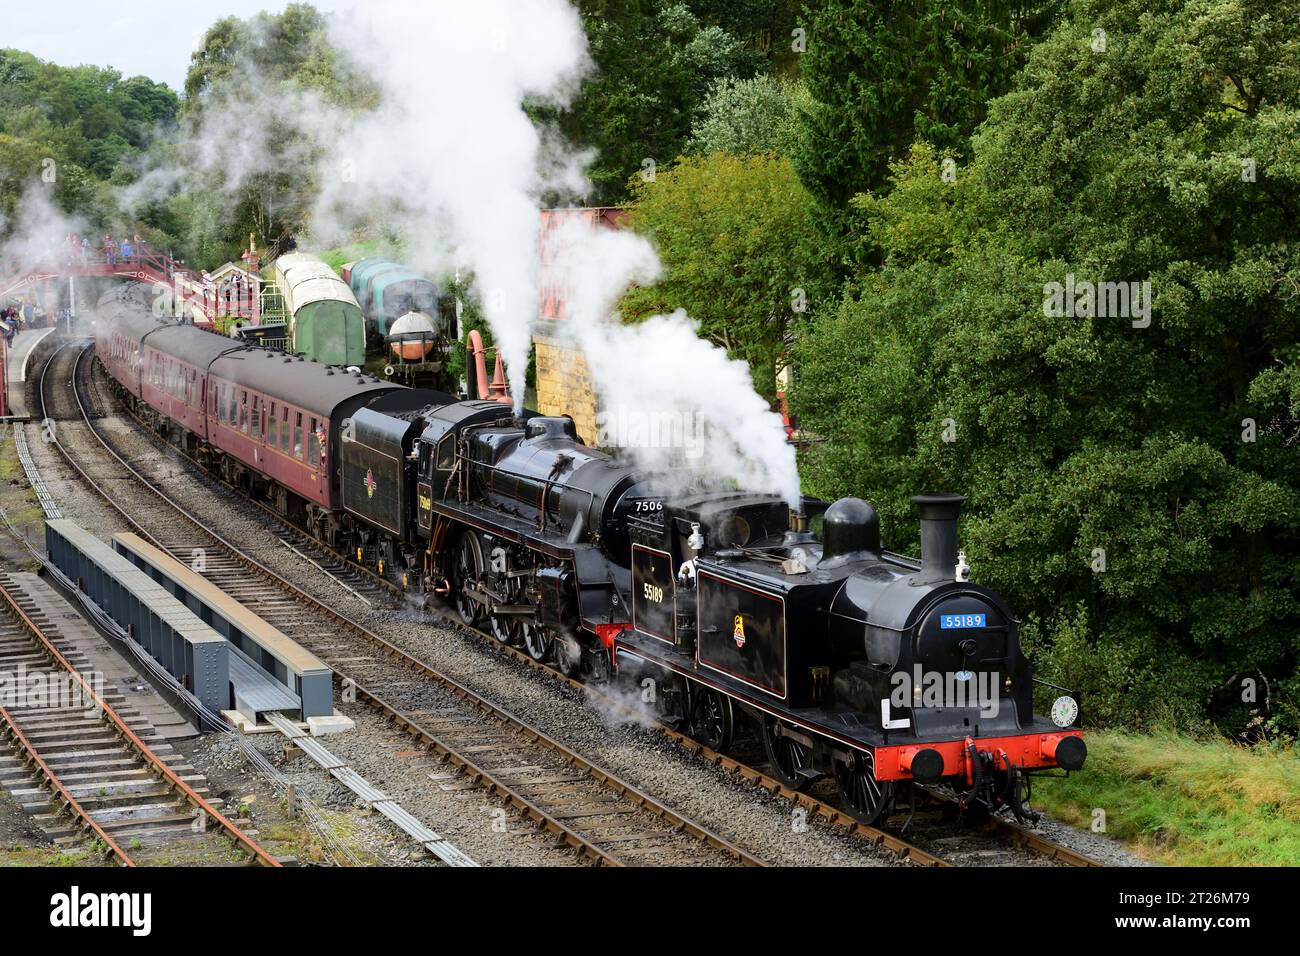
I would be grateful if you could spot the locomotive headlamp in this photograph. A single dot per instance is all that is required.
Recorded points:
(696, 541)
(1065, 711)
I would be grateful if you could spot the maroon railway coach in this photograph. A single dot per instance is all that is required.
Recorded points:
(265, 419)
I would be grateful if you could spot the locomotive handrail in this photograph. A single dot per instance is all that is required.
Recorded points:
(547, 482)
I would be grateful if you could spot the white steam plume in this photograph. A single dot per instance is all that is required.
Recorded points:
(37, 234)
(450, 152)
(451, 163)
(679, 404)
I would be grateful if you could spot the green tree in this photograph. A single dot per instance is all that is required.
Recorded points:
(744, 117)
(882, 74)
(738, 245)
(1132, 488)
(655, 62)
(88, 120)
(290, 52)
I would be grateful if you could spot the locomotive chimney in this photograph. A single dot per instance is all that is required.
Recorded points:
(938, 514)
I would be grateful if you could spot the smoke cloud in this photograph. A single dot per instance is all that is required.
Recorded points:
(677, 403)
(37, 233)
(450, 153)
(451, 163)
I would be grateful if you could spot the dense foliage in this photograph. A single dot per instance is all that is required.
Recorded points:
(289, 58)
(656, 61)
(89, 121)
(748, 117)
(882, 74)
(1171, 156)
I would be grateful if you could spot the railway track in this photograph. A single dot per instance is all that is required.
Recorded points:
(603, 818)
(1011, 836)
(91, 755)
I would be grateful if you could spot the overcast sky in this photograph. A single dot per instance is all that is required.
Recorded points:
(153, 38)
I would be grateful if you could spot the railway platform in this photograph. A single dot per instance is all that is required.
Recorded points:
(17, 368)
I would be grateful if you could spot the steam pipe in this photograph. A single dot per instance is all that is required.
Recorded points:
(476, 353)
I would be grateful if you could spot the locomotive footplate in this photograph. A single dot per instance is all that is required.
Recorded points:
(896, 752)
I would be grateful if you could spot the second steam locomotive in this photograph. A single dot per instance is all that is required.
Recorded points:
(721, 607)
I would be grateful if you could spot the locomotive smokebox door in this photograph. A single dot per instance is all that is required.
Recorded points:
(652, 592)
(742, 633)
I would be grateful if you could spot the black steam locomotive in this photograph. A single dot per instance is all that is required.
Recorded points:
(849, 660)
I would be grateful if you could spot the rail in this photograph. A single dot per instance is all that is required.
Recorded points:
(130, 736)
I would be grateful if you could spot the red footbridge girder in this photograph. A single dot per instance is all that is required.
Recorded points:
(145, 264)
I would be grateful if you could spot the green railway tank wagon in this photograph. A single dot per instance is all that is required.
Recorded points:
(325, 322)
(387, 290)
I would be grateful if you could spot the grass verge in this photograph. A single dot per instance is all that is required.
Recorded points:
(1182, 801)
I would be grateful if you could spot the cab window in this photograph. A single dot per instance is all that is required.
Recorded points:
(447, 452)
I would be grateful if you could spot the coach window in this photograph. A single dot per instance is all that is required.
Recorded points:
(232, 411)
(297, 436)
(255, 425)
(313, 445)
(243, 410)
(284, 429)
(272, 427)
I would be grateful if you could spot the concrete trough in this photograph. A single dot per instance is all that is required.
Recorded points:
(191, 651)
(296, 670)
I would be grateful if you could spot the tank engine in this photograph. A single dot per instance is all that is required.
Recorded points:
(852, 661)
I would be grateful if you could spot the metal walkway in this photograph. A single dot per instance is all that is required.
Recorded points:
(338, 768)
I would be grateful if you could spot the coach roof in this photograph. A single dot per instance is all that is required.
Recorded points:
(130, 310)
(301, 382)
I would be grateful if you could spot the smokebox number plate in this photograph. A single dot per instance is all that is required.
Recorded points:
(951, 621)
